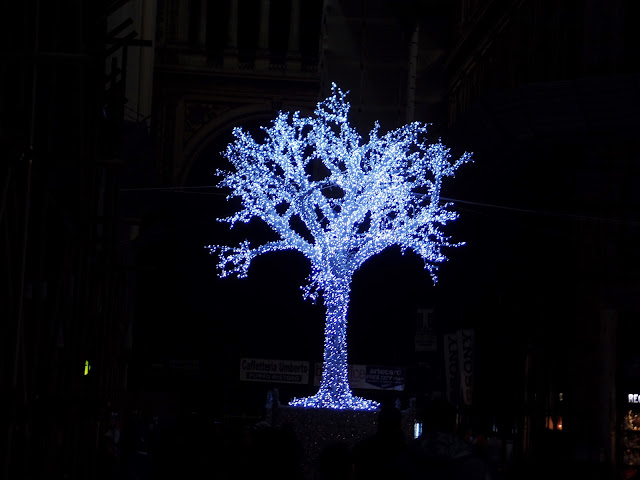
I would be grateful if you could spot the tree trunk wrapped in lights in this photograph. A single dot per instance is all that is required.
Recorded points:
(373, 195)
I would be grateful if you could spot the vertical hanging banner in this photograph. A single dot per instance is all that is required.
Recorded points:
(465, 358)
(451, 367)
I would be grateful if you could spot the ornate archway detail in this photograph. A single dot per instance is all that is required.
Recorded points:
(203, 123)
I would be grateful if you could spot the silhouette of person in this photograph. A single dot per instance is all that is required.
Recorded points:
(277, 453)
(385, 453)
(335, 462)
(441, 452)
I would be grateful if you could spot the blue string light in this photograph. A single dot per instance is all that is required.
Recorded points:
(376, 194)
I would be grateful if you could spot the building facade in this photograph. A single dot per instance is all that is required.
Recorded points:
(546, 93)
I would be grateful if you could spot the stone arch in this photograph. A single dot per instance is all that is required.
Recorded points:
(217, 126)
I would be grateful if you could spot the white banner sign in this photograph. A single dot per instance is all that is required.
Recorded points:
(276, 371)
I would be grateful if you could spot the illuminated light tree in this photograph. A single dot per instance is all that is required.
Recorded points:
(366, 198)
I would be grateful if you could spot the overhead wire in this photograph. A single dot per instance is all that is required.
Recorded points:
(576, 216)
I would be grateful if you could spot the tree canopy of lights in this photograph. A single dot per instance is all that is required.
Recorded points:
(338, 201)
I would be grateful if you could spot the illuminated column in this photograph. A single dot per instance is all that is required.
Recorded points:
(293, 51)
(230, 59)
(262, 55)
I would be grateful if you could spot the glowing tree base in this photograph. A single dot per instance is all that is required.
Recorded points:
(318, 428)
(324, 399)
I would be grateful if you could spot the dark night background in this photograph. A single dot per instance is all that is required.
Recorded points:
(113, 115)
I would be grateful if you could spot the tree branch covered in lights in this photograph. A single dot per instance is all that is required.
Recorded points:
(338, 201)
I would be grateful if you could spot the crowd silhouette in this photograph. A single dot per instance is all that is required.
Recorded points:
(150, 449)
